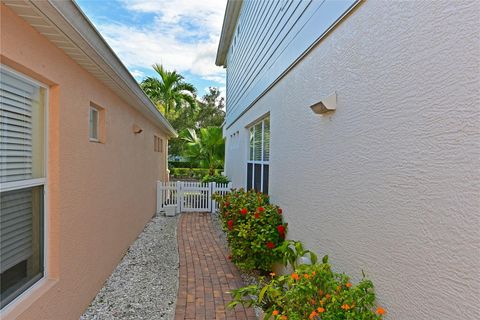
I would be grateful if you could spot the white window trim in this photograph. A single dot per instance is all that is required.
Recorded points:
(254, 162)
(97, 112)
(10, 186)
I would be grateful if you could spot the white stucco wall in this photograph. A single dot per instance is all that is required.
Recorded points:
(389, 183)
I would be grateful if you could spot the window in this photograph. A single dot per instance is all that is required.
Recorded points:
(22, 183)
(96, 125)
(157, 144)
(259, 156)
(94, 120)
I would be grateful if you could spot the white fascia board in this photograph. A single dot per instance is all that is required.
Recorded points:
(74, 25)
(232, 12)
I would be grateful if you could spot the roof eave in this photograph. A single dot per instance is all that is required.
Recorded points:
(72, 24)
(232, 11)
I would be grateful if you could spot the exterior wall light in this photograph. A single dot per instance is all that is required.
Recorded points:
(325, 105)
(137, 129)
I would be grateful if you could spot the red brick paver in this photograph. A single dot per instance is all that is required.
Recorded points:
(206, 274)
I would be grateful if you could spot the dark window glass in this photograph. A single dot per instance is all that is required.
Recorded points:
(257, 180)
(21, 241)
(249, 175)
(265, 178)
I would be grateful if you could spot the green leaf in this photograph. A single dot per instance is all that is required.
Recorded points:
(262, 293)
(325, 259)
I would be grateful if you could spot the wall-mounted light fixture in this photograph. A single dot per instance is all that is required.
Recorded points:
(327, 104)
(137, 129)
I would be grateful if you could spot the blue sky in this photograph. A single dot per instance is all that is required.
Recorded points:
(180, 34)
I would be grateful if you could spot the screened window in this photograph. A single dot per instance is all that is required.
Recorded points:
(22, 182)
(259, 156)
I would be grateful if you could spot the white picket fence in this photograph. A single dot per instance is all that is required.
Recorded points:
(188, 196)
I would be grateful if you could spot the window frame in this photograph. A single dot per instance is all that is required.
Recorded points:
(34, 182)
(157, 144)
(252, 161)
(97, 112)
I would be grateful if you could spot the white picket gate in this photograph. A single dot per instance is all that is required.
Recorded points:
(188, 196)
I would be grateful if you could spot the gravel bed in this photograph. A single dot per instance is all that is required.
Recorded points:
(144, 285)
(248, 278)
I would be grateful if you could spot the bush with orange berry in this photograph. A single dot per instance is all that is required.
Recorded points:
(312, 291)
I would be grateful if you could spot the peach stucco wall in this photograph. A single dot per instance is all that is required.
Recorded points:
(99, 196)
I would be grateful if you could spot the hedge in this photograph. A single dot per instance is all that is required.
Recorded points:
(181, 164)
(188, 173)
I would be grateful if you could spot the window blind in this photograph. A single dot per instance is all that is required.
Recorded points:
(258, 142)
(16, 227)
(266, 140)
(21, 141)
(259, 156)
(16, 154)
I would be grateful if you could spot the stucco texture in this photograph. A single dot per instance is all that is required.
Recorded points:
(390, 182)
(99, 195)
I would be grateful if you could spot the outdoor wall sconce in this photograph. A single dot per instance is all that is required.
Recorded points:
(137, 129)
(325, 105)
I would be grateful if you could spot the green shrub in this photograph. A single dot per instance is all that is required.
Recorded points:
(180, 164)
(218, 178)
(311, 292)
(190, 173)
(254, 229)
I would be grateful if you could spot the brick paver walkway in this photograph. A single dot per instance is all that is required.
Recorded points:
(206, 274)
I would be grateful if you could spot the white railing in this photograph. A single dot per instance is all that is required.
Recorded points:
(187, 196)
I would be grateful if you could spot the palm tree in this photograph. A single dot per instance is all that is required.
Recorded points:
(170, 91)
(207, 148)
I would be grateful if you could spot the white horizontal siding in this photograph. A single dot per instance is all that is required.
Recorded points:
(270, 36)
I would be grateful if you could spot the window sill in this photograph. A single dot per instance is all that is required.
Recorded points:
(95, 140)
(15, 308)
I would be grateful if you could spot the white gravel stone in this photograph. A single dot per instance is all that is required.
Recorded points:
(144, 285)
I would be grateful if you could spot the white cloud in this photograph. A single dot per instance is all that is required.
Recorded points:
(209, 13)
(184, 36)
(223, 92)
(137, 74)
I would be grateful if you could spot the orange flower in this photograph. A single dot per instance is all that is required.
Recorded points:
(283, 317)
(320, 292)
(275, 312)
(306, 275)
(338, 288)
(272, 274)
(380, 310)
(327, 296)
(348, 285)
(345, 307)
(295, 276)
(312, 301)
(313, 315)
(314, 273)
(320, 310)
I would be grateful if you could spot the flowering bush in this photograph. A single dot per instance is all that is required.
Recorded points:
(254, 229)
(311, 292)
